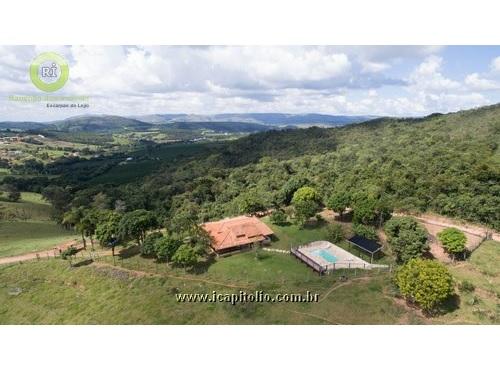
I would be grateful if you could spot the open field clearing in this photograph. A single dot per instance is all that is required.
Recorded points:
(482, 270)
(27, 226)
(52, 292)
(31, 206)
(18, 237)
(49, 291)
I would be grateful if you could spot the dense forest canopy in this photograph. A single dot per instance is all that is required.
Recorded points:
(448, 164)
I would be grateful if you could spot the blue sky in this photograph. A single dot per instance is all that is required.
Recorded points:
(347, 80)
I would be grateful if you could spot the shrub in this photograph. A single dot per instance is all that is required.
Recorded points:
(14, 195)
(427, 283)
(69, 252)
(466, 286)
(278, 217)
(335, 232)
(365, 231)
(473, 301)
(186, 255)
(149, 246)
(166, 248)
(453, 240)
(407, 238)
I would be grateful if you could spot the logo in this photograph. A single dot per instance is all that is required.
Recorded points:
(49, 71)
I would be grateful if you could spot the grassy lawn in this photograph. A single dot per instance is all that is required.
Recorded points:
(483, 270)
(52, 293)
(31, 206)
(17, 237)
(487, 258)
(293, 235)
(28, 226)
(142, 291)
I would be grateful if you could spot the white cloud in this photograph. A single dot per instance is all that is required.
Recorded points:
(211, 79)
(495, 64)
(374, 67)
(475, 82)
(427, 76)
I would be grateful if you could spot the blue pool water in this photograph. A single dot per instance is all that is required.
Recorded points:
(325, 254)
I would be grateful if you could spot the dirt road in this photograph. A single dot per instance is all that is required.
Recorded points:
(52, 253)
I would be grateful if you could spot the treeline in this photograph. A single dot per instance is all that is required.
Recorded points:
(447, 164)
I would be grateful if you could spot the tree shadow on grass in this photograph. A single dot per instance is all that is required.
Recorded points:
(262, 255)
(129, 252)
(345, 218)
(284, 224)
(451, 304)
(428, 255)
(203, 266)
(314, 224)
(85, 262)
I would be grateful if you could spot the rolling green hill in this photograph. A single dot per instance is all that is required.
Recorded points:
(449, 164)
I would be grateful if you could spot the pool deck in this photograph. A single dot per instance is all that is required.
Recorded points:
(344, 258)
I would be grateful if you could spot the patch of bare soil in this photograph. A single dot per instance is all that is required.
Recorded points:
(435, 224)
(45, 254)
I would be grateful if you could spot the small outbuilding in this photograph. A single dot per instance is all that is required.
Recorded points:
(369, 246)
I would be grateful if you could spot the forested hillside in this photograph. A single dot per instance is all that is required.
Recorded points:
(449, 164)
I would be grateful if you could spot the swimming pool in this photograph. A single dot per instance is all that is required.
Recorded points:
(325, 254)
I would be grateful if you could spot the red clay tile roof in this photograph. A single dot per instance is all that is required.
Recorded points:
(236, 231)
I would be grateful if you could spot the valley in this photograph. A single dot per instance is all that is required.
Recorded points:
(127, 182)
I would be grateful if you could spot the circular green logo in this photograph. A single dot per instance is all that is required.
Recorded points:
(49, 71)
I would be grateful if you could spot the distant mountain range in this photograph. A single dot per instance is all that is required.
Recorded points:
(227, 123)
(272, 119)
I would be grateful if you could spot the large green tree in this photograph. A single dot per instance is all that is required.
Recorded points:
(107, 229)
(338, 202)
(59, 197)
(250, 204)
(166, 247)
(186, 255)
(149, 246)
(406, 237)
(306, 202)
(427, 283)
(134, 225)
(88, 223)
(370, 211)
(73, 218)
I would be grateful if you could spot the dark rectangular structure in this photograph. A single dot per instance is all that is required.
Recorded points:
(370, 246)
